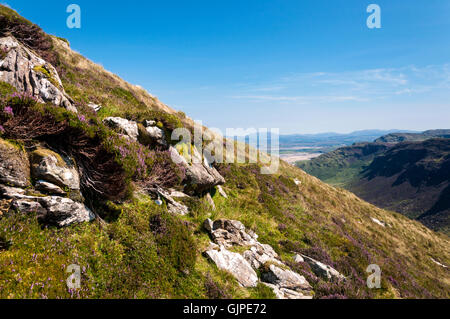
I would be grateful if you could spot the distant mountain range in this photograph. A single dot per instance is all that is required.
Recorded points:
(405, 172)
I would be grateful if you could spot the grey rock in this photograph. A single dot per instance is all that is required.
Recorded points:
(172, 205)
(50, 166)
(28, 73)
(148, 123)
(284, 278)
(28, 206)
(200, 175)
(324, 271)
(49, 188)
(259, 255)
(298, 259)
(95, 107)
(283, 293)
(63, 212)
(210, 201)
(14, 165)
(11, 192)
(157, 135)
(222, 192)
(229, 233)
(235, 264)
(128, 128)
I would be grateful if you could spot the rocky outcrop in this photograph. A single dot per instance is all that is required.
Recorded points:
(49, 166)
(124, 126)
(14, 165)
(53, 174)
(200, 174)
(30, 74)
(226, 234)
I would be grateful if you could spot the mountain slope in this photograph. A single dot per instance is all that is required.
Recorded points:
(138, 246)
(404, 172)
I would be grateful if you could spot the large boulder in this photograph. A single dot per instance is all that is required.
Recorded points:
(28, 73)
(49, 166)
(14, 165)
(61, 212)
(200, 174)
(235, 264)
(50, 210)
(124, 126)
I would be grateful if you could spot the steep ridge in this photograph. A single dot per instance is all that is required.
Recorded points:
(147, 237)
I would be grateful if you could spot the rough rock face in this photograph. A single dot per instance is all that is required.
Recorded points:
(235, 264)
(49, 166)
(62, 211)
(128, 128)
(200, 175)
(49, 188)
(14, 165)
(285, 283)
(28, 73)
(52, 210)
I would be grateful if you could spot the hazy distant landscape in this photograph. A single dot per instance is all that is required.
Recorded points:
(299, 147)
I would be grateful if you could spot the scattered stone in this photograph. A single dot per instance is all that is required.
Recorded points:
(50, 166)
(157, 135)
(298, 259)
(222, 192)
(297, 182)
(95, 107)
(28, 73)
(322, 270)
(210, 201)
(228, 233)
(438, 263)
(172, 205)
(284, 278)
(128, 128)
(14, 165)
(235, 264)
(148, 123)
(376, 221)
(199, 177)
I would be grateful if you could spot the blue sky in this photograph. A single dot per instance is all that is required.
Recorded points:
(303, 66)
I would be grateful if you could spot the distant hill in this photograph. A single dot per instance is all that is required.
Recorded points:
(403, 137)
(334, 139)
(404, 172)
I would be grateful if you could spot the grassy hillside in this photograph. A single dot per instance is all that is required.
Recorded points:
(136, 249)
